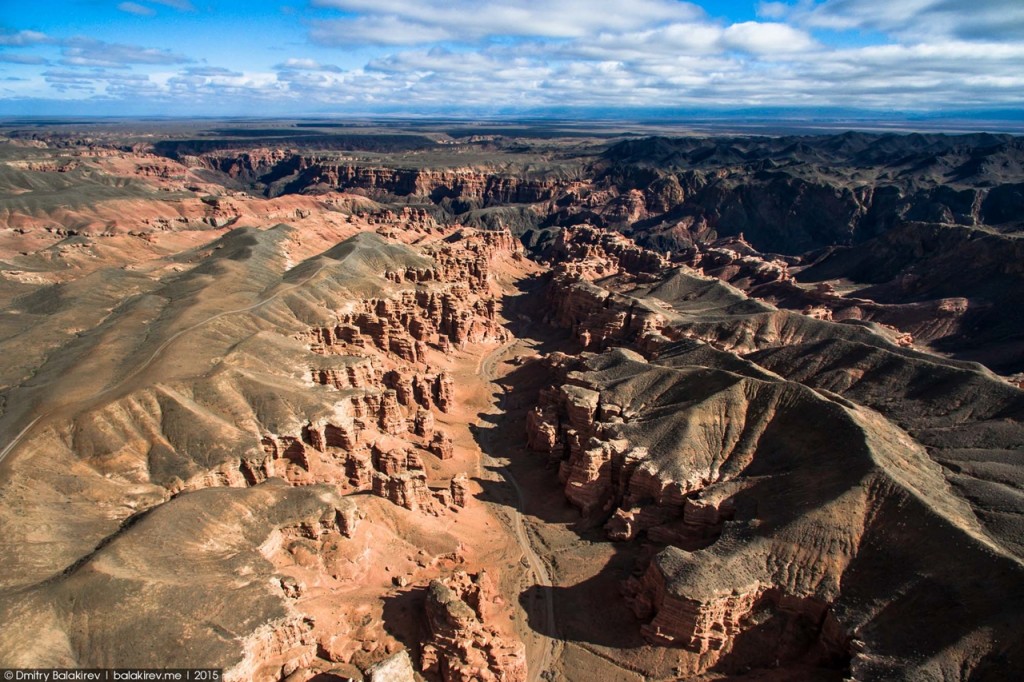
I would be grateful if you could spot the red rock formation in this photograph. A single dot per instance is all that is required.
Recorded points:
(588, 477)
(465, 644)
(597, 317)
(423, 424)
(459, 487)
(376, 351)
(592, 253)
(444, 387)
(288, 457)
(407, 489)
(542, 431)
(276, 651)
(700, 625)
(349, 516)
(709, 622)
(441, 445)
(392, 456)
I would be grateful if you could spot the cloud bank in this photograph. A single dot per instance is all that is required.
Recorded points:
(913, 55)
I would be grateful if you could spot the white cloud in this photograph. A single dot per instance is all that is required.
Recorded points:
(147, 11)
(414, 22)
(772, 10)
(919, 19)
(306, 64)
(766, 38)
(24, 38)
(385, 30)
(22, 59)
(210, 71)
(136, 9)
(180, 5)
(519, 54)
(89, 52)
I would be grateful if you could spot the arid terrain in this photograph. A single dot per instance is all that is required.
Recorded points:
(392, 401)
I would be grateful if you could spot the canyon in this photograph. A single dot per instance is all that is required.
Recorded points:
(421, 404)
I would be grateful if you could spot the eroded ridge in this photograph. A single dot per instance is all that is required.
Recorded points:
(485, 407)
(773, 487)
(343, 386)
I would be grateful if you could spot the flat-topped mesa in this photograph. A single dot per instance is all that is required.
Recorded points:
(701, 625)
(718, 623)
(466, 645)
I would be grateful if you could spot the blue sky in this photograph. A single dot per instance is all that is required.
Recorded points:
(206, 57)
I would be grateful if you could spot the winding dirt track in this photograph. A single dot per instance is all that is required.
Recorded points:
(537, 663)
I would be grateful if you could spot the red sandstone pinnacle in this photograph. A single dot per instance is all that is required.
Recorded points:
(459, 487)
(444, 387)
(441, 445)
(465, 646)
(423, 423)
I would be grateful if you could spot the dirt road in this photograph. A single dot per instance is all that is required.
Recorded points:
(543, 610)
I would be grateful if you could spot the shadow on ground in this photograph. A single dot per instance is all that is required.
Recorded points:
(584, 610)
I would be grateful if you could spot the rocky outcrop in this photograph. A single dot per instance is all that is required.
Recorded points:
(463, 611)
(292, 173)
(407, 489)
(444, 388)
(597, 317)
(395, 668)
(710, 624)
(345, 371)
(776, 190)
(423, 424)
(452, 307)
(787, 194)
(698, 441)
(377, 357)
(441, 446)
(460, 490)
(591, 253)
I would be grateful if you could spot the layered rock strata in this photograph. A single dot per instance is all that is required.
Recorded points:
(463, 611)
(723, 438)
